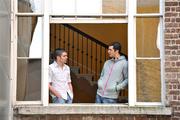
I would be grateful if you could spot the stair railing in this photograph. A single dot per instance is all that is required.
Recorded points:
(83, 50)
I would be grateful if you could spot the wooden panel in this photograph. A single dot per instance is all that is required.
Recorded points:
(114, 6)
(148, 81)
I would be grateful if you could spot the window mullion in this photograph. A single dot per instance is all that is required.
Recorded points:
(132, 52)
(45, 53)
(162, 58)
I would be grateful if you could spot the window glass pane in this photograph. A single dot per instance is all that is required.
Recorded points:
(88, 6)
(147, 36)
(114, 6)
(147, 6)
(148, 81)
(30, 6)
(63, 6)
(28, 80)
(29, 37)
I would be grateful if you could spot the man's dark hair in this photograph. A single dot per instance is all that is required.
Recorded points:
(58, 52)
(116, 46)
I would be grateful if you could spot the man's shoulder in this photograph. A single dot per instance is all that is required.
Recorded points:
(52, 65)
(66, 66)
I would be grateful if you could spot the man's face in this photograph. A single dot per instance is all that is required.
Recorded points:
(111, 52)
(63, 58)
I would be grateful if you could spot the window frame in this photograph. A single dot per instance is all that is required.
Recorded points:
(131, 16)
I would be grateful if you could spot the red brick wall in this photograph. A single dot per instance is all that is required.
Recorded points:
(91, 117)
(172, 55)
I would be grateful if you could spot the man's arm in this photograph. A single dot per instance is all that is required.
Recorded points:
(124, 83)
(70, 86)
(53, 91)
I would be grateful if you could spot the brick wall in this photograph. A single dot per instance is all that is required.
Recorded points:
(91, 117)
(172, 55)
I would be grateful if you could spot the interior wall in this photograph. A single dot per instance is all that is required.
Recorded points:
(107, 33)
(5, 37)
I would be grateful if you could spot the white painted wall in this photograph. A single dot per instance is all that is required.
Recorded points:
(4, 58)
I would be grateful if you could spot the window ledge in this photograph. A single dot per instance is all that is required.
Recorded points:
(91, 109)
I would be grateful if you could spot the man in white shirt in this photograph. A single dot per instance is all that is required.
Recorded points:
(59, 78)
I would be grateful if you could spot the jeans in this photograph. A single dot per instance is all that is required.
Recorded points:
(61, 100)
(100, 99)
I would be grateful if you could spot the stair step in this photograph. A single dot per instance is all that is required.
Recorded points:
(84, 88)
(87, 77)
(75, 69)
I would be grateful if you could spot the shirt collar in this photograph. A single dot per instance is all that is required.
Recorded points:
(56, 65)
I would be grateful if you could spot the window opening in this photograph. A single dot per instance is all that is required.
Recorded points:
(87, 52)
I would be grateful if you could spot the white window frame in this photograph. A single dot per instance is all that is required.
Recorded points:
(131, 16)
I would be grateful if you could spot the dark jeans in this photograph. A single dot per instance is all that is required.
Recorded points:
(100, 99)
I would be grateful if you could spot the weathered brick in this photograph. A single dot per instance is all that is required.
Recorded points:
(172, 69)
(167, 52)
(167, 42)
(171, 14)
(178, 30)
(173, 9)
(173, 30)
(177, 113)
(171, 3)
(178, 41)
(167, 9)
(177, 64)
(171, 47)
(178, 52)
(177, 19)
(177, 9)
(173, 52)
(167, 19)
(171, 24)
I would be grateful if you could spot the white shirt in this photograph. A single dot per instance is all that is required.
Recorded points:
(60, 78)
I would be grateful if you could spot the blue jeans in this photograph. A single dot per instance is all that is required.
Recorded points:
(61, 100)
(100, 99)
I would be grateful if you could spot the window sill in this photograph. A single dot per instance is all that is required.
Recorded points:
(91, 109)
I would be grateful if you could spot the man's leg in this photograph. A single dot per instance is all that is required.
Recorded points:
(109, 100)
(98, 99)
(69, 99)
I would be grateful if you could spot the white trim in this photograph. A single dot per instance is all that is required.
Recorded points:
(14, 53)
(90, 15)
(28, 103)
(148, 58)
(131, 53)
(26, 58)
(29, 14)
(92, 109)
(149, 104)
(162, 55)
(86, 20)
(45, 54)
(12, 75)
(127, 6)
(149, 15)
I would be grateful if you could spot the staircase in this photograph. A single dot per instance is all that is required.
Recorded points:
(83, 85)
